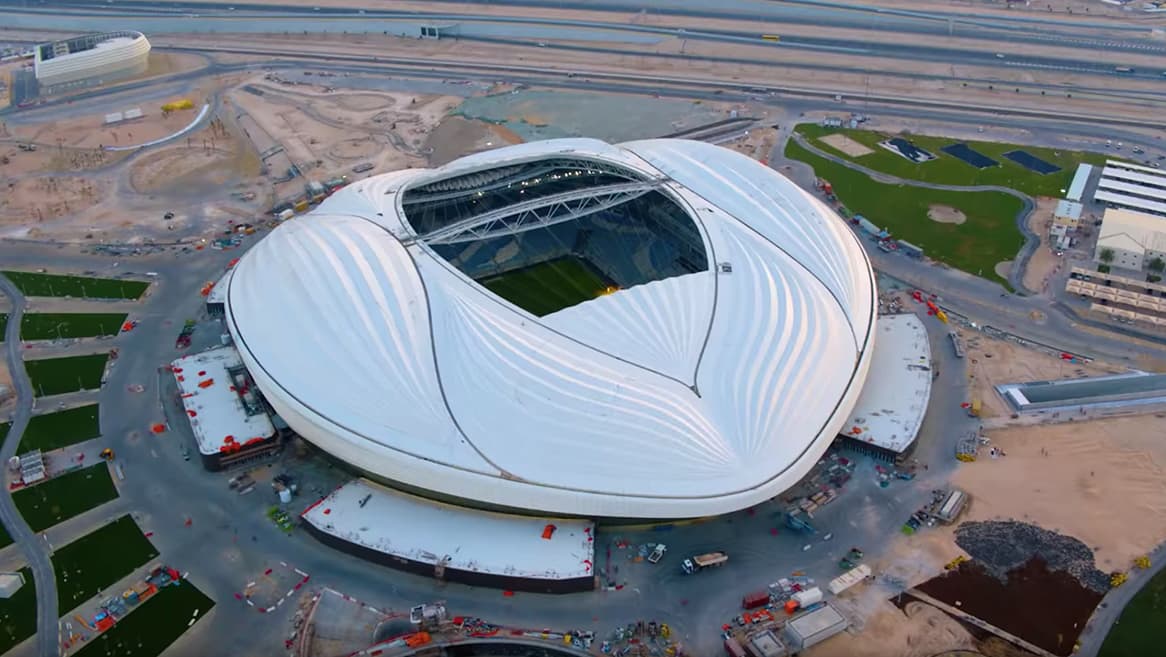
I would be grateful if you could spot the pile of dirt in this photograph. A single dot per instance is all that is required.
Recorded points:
(1046, 608)
(1003, 546)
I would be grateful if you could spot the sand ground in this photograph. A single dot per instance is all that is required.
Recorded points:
(1102, 481)
(1044, 262)
(945, 214)
(992, 362)
(846, 145)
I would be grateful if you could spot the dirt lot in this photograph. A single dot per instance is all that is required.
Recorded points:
(455, 137)
(992, 362)
(1046, 608)
(945, 214)
(846, 145)
(1102, 481)
(1043, 263)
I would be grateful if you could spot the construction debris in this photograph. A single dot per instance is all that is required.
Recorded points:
(1003, 546)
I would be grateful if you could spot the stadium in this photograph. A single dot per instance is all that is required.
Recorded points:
(658, 329)
(91, 59)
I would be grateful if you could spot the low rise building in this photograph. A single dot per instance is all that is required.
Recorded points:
(1067, 215)
(1133, 238)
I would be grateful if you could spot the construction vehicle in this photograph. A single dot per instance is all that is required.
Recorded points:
(797, 522)
(755, 599)
(849, 579)
(851, 559)
(183, 104)
(657, 553)
(183, 340)
(704, 561)
(107, 454)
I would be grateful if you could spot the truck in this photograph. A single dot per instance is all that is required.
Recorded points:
(704, 561)
(657, 553)
(755, 599)
(807, 597)
(849, 579)
(183, 340)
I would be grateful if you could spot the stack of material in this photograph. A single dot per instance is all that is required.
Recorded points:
(1002, 546)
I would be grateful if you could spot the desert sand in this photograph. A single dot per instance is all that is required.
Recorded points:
(1043, 263)
(992, 362)
(846, 145)
(1102, 481)
(945, 214)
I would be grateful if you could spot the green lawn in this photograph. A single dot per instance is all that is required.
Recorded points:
(53, 326)
(548, 286)
(949, 170)
(64, 497)
(1140, 629)
(60, 429)
(53, 376)
(97, 560)
(3, 431)
(5, 541)
(57, 285)
(3, 325)
(18, 614)
(989, 236)
(153, 626)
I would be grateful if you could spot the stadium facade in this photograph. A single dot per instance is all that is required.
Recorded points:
(91, 59)
(657, 329)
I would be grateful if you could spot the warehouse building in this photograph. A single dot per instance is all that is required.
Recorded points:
(1134, 238)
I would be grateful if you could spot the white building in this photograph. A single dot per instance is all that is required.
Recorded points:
(1128, 186)
(91, 59)
(1135, 238)
(697, 334)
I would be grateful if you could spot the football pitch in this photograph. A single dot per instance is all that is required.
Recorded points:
(546, 287)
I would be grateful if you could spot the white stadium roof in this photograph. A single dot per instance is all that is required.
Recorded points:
(692, 395)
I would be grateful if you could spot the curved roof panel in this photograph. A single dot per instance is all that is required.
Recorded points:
(692, 395)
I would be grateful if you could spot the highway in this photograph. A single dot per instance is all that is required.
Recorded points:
(500, 28)
(35, 550)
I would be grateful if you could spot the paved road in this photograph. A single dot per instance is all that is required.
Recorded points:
(33, 547)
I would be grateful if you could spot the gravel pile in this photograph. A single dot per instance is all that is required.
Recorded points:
(1004, 546)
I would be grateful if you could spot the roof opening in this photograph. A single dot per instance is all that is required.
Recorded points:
(549, 234)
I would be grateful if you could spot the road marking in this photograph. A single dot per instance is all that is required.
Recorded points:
(153, 453)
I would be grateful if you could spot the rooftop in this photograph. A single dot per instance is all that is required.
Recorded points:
(397, 524)
(1068, 209)
(217, 409)
(893, 402)
(1127, 201)
(1126, 228)
(1080, 179)
(813, 622)
(218, 293)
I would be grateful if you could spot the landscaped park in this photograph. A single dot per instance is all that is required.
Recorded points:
(53, 376)
(18, 613)
(65, 496)
(154, 625)
(971, 230)
(61, 429)
(96, 561)
(33, 284)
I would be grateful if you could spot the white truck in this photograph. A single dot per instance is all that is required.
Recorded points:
(703, 561)
(657, 553)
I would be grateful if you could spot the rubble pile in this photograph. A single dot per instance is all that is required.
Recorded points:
(1003, 546)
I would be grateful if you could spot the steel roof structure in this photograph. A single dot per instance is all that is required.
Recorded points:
(692, 395)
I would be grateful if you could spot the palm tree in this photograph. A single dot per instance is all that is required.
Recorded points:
(1105, 255)
(1157, 264)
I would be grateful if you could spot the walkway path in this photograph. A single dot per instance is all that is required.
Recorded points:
(34, 549)
(1031, 241)
(1114, 602)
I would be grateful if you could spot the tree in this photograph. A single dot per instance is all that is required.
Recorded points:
(1105, 255)
(1157, 264)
